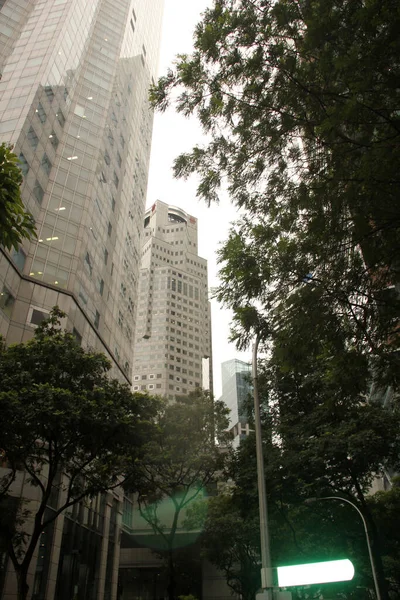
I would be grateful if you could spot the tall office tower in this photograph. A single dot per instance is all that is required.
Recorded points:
(74, 103)
(236, 387)
(172, 354)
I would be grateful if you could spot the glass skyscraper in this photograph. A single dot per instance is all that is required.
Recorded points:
(74, 87)
(236, 388)
(74, 104)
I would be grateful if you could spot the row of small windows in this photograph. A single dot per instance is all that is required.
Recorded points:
(103, 179)
(111, 139)
(41, 113)
(34, 140)
(142, 388)
(151, 386)
(107, 158)
(151, 376)
(45, 164)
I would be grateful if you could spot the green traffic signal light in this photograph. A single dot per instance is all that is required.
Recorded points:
(321, 572)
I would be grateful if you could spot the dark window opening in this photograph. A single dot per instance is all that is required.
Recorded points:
(41, 113)
(6, 301)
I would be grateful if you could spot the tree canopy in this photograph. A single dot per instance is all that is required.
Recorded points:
(300, 102)
(15, 223)
(312, 462)
(73, 430)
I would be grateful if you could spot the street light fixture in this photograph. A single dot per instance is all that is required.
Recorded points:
(371, 558)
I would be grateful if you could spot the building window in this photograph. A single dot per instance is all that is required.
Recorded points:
(97, 319)
(77, 335)
(105, 256)
(6, 301)
(49, 93)
(36, 316)
(60, 118)
(116, 180)
(38, 192)
(41, 113)
(110, 138)
(46, 164)
(109, 231)
(88, 264)
(119, 159)
(107, 158)
(54, 140)
(23, 164)
(19, 258)
(32, 138)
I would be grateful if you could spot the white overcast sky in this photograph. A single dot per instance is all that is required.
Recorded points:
(173, 134)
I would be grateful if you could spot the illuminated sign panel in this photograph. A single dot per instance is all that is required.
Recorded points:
(321, 572)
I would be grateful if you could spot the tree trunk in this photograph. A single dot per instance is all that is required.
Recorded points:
(171, 577)
(23, 587)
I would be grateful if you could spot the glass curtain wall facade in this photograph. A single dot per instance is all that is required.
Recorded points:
(236, 388)
(172, 354)
(74, 104)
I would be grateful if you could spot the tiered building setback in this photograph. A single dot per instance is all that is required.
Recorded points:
(172, 354)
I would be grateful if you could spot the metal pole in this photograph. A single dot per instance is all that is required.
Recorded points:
(371, 558)
(266, 571)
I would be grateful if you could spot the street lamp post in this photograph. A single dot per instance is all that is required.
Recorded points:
(371, 558)
(266, 571)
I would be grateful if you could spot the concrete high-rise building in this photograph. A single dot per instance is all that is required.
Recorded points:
(74, 103)
(236, 387)
(172, 353)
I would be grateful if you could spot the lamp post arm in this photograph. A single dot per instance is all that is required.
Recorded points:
(371, 558)
(266, 571)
